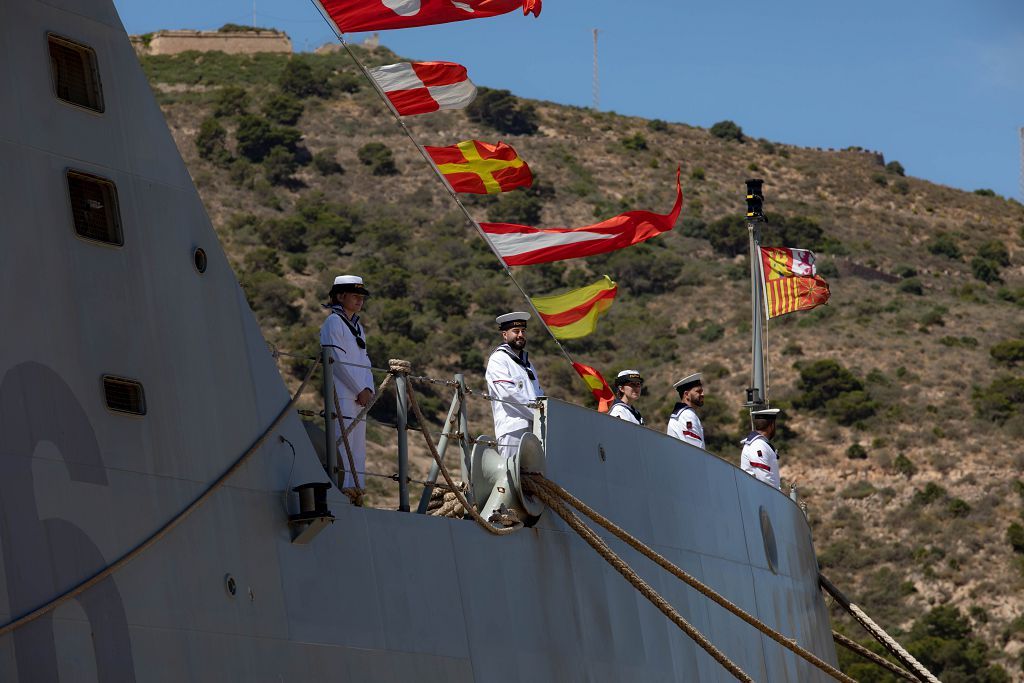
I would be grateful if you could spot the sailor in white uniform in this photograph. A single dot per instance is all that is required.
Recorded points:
(759, 458)
(685, 423)
(345, 336)
(512, 378)
(628, 387)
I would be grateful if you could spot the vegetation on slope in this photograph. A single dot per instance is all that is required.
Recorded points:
(902, 394)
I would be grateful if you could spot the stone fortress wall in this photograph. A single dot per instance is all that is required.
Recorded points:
(233, 42)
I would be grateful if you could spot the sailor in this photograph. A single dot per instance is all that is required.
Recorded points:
(685, 423)
(512, 379)
(345, 336)
(628, 386)
(759, 458)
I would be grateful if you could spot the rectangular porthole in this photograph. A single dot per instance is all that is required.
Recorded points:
(124, 395)
(94, 208)
(76, 79)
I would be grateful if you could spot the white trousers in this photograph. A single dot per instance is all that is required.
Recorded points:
(508, 444)
(356, 440)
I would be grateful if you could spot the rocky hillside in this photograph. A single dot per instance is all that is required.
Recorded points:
(904, 395)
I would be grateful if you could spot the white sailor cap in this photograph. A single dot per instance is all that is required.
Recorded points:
(686, 382)
(349, 283)
(627, 376)
(766, 413)
(512, 320)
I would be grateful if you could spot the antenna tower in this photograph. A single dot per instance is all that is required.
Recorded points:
(254, 13)
(597, 84)
(1022, 164)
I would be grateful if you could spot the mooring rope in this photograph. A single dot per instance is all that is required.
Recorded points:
(854, 646)
(876, 631)
(598, 544)
(542, 482)
(110, 569)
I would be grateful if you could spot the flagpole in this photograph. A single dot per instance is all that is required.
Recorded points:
(440, 176)
(756, 394)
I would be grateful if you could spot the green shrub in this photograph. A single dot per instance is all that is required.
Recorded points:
(1015, 537)
(851, 407)
(1000, 400)
(943, 642)
(995, 251)
(901, 186)
(211, 142)
(326, 162)
(727, 130)
(256, 137)
(858, 491)
(985, 270)
(698, 173)
(904, 271)
(943, 244)
(263, 259)
(378, 157)
(933, 318)
(271, 297)
(657, 125)
(895, 167)
(1009, 352)
(298, 262)
(283, 108)
(728, 235)
(931, 493)
(903, 465)
(985, 192)
(503, 111)
(879, 179)
(822, 381)
(911, 285)
(958, 507)
(635, 143)
(516, 207)
(279, 166)
(856, 452)
(299, 80)
(232, 100)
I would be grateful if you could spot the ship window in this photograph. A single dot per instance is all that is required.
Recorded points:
(94, 208)
(75, 77)
(124, 395)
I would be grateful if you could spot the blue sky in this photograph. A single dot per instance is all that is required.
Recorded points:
(937, 85)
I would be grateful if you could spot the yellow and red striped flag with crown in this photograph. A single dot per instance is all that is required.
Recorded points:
(597, 385)
(791, 281)
(574, 314)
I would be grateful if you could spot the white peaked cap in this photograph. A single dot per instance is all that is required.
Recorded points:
(514, 317)
(627, 373)
(348, 280)
(695, 377)
(767, 412)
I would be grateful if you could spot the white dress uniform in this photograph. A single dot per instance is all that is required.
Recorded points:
(511, 377)
(685, 425)
(351, 372)
(625, 412)
(760, 460)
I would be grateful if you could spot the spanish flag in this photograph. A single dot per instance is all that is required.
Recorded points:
(479, 168)
(602, 392)
(791, 281)
(574, 314)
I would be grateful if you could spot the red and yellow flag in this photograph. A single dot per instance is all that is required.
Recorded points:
(598, 387)
(574, 314)
(479, 168)
(791, 281)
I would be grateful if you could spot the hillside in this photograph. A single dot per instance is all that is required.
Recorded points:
(903, 395)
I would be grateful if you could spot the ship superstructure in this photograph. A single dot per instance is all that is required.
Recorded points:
(132, 376)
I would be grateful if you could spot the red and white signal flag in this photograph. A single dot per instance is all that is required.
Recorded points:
(351, 16)
(423, 87)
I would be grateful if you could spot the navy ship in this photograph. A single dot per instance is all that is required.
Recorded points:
(166, 516)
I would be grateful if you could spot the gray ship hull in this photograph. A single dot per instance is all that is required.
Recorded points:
(378, 595)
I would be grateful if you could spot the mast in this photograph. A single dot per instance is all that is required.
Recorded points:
(756, 394)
